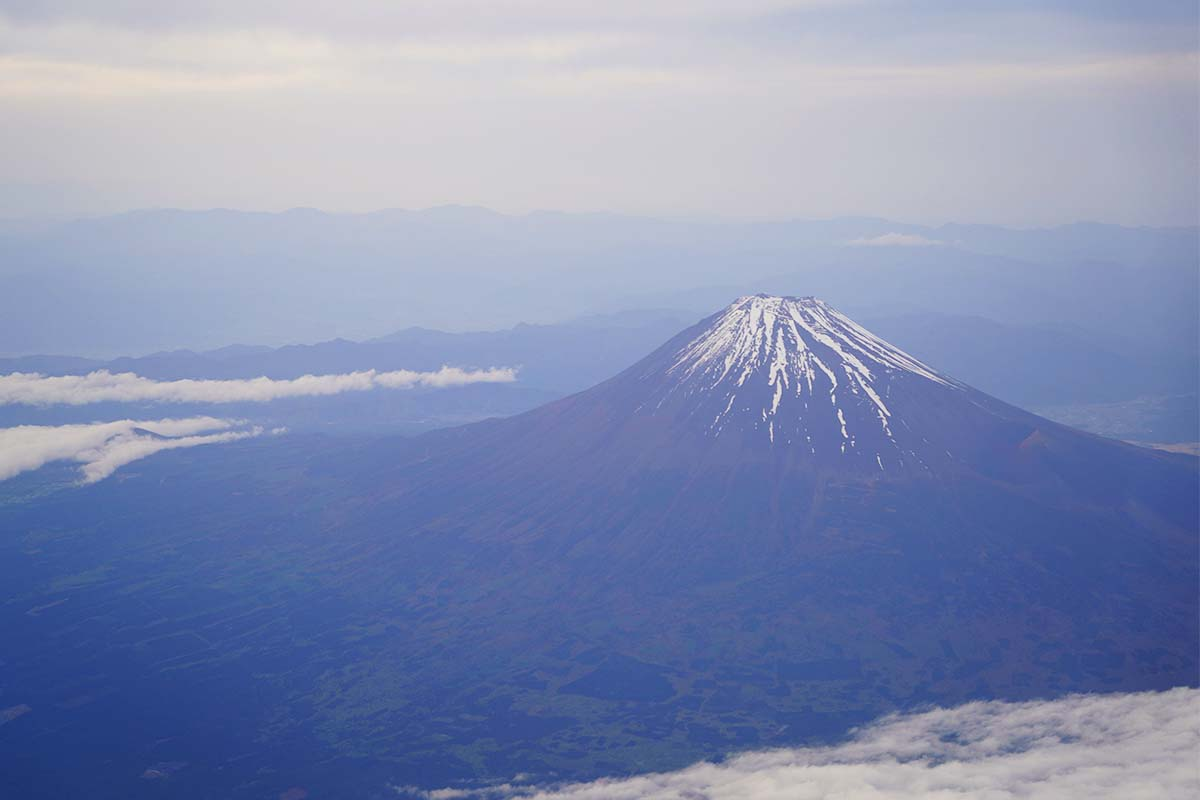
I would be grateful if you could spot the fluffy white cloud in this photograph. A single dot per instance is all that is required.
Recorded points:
(31, 388)
(1120, 746)
(103, 447)
(896, 240)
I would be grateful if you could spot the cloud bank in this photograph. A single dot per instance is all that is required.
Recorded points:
(104, 447)
(896, 240)
(102, 386)
(1123, 746)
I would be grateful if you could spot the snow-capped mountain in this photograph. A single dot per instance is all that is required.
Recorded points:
(773, 527)
(792, 379)
(791, 505)
(762, 403)
(797, 372)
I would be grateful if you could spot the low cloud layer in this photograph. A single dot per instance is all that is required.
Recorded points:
(104, 447)
(1125, 746)
(896, 240)
(102, 386)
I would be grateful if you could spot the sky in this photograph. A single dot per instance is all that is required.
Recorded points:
(1010, 112)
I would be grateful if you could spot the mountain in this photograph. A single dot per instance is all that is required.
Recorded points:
(805, 517)
(799, 369)
(792, 382)
(552, 360)
(564, 357)
(161, 279)
(770, 529)
(1070, 376)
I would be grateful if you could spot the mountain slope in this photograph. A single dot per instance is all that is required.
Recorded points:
(708, 546)
(688, 558)
(794, 386)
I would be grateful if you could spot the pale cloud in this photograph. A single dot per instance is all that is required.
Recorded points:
(1083, 747)
(931, 111)
(360, 18)
(896, 240)
(83, 59)
(407, 50)
(31, 388)
(104, 447)
(39, 77)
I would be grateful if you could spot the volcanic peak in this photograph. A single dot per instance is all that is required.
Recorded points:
(765, 353)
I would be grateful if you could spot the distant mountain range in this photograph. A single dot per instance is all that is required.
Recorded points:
(153, 280)
(1029, 366)
(774, 526)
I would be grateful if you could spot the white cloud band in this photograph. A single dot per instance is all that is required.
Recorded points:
(31, 388)
(1125, 746)
(896, 240)
(103, 447)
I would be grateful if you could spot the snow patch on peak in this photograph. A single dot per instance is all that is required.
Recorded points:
(794, 348)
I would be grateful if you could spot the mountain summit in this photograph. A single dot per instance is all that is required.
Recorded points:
(793, 382)
(795, 371)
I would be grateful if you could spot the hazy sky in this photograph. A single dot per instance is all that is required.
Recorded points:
(1006, 111)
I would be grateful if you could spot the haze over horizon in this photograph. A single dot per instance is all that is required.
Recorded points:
(928, 111)
(37, 220)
